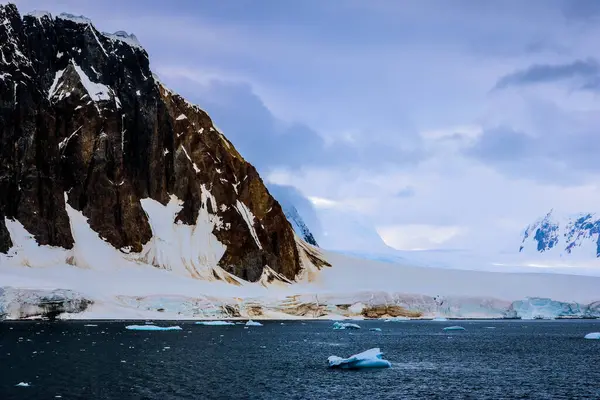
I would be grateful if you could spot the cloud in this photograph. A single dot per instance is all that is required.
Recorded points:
(269, 142)
(586, 71)
(418, 237)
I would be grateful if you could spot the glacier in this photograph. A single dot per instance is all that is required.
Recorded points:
(372, 358)
(94, 282)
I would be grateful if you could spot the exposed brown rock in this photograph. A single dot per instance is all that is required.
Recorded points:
(383, 310)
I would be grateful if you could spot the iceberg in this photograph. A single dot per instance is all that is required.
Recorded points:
(440, 319)
(593, 335)
(375, 329)
(214, 323)
(371, 358)
(344, 325)
(454, 328)
(152, 328)
(22, 384)
(252, 323)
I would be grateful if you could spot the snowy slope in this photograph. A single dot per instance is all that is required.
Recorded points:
(298, 211)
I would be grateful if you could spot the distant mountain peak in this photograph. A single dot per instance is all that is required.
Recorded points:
(564, 236)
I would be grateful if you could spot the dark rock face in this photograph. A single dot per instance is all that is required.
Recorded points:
(83, 118)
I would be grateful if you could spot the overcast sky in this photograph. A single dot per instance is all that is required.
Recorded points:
(446, 124)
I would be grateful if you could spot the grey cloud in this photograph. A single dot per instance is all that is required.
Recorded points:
(406, 192)
(268, 142)
(564, 158)
(588, 71)
(581, 10)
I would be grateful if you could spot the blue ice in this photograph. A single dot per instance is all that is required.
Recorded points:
(214, 323)
(593, 335)
(152, 328)
(371, 358)
(375, 329)
(344, 325)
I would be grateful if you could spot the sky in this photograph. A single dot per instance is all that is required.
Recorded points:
(441, 124)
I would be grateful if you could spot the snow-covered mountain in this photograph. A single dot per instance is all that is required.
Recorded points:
(88, 134)
(575, 236)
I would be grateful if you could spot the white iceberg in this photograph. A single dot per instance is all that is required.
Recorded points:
(214, 323)
(375, 329)
(371, 358)
(396, 319)
(344, 325)
(152, 328)
(454, 328)
(441, 319)
(593, 335)
(22, 384)
(252, 323)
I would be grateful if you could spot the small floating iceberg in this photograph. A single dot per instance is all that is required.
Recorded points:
(214, 323)
(454, 328)
(396, 319)
(22, 384)
(90, 325)
(593, 335)
(371, 358)
(152, 328)
(344, 325)
(440, 319)
(375, 329)
(253, 323)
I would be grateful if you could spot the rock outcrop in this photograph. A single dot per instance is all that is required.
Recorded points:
(83, 120)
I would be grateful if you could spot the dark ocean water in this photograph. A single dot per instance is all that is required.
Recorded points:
(516, 360)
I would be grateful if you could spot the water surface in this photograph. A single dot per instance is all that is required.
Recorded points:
(490, 360)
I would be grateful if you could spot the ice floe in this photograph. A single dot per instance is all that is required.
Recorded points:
(214, 323)
(442, 319)
(152, 328)
(22, 384)
(253, 323)
(397, 319)
(371, 358)
(454, 328)
(593, 335)
(375, 329)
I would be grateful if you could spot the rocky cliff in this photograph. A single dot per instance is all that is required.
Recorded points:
(85, 125)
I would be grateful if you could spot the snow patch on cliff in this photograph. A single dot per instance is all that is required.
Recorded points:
(96, 91)
(124, 37)
(248, 217)
(191, 250)
(78, 19)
